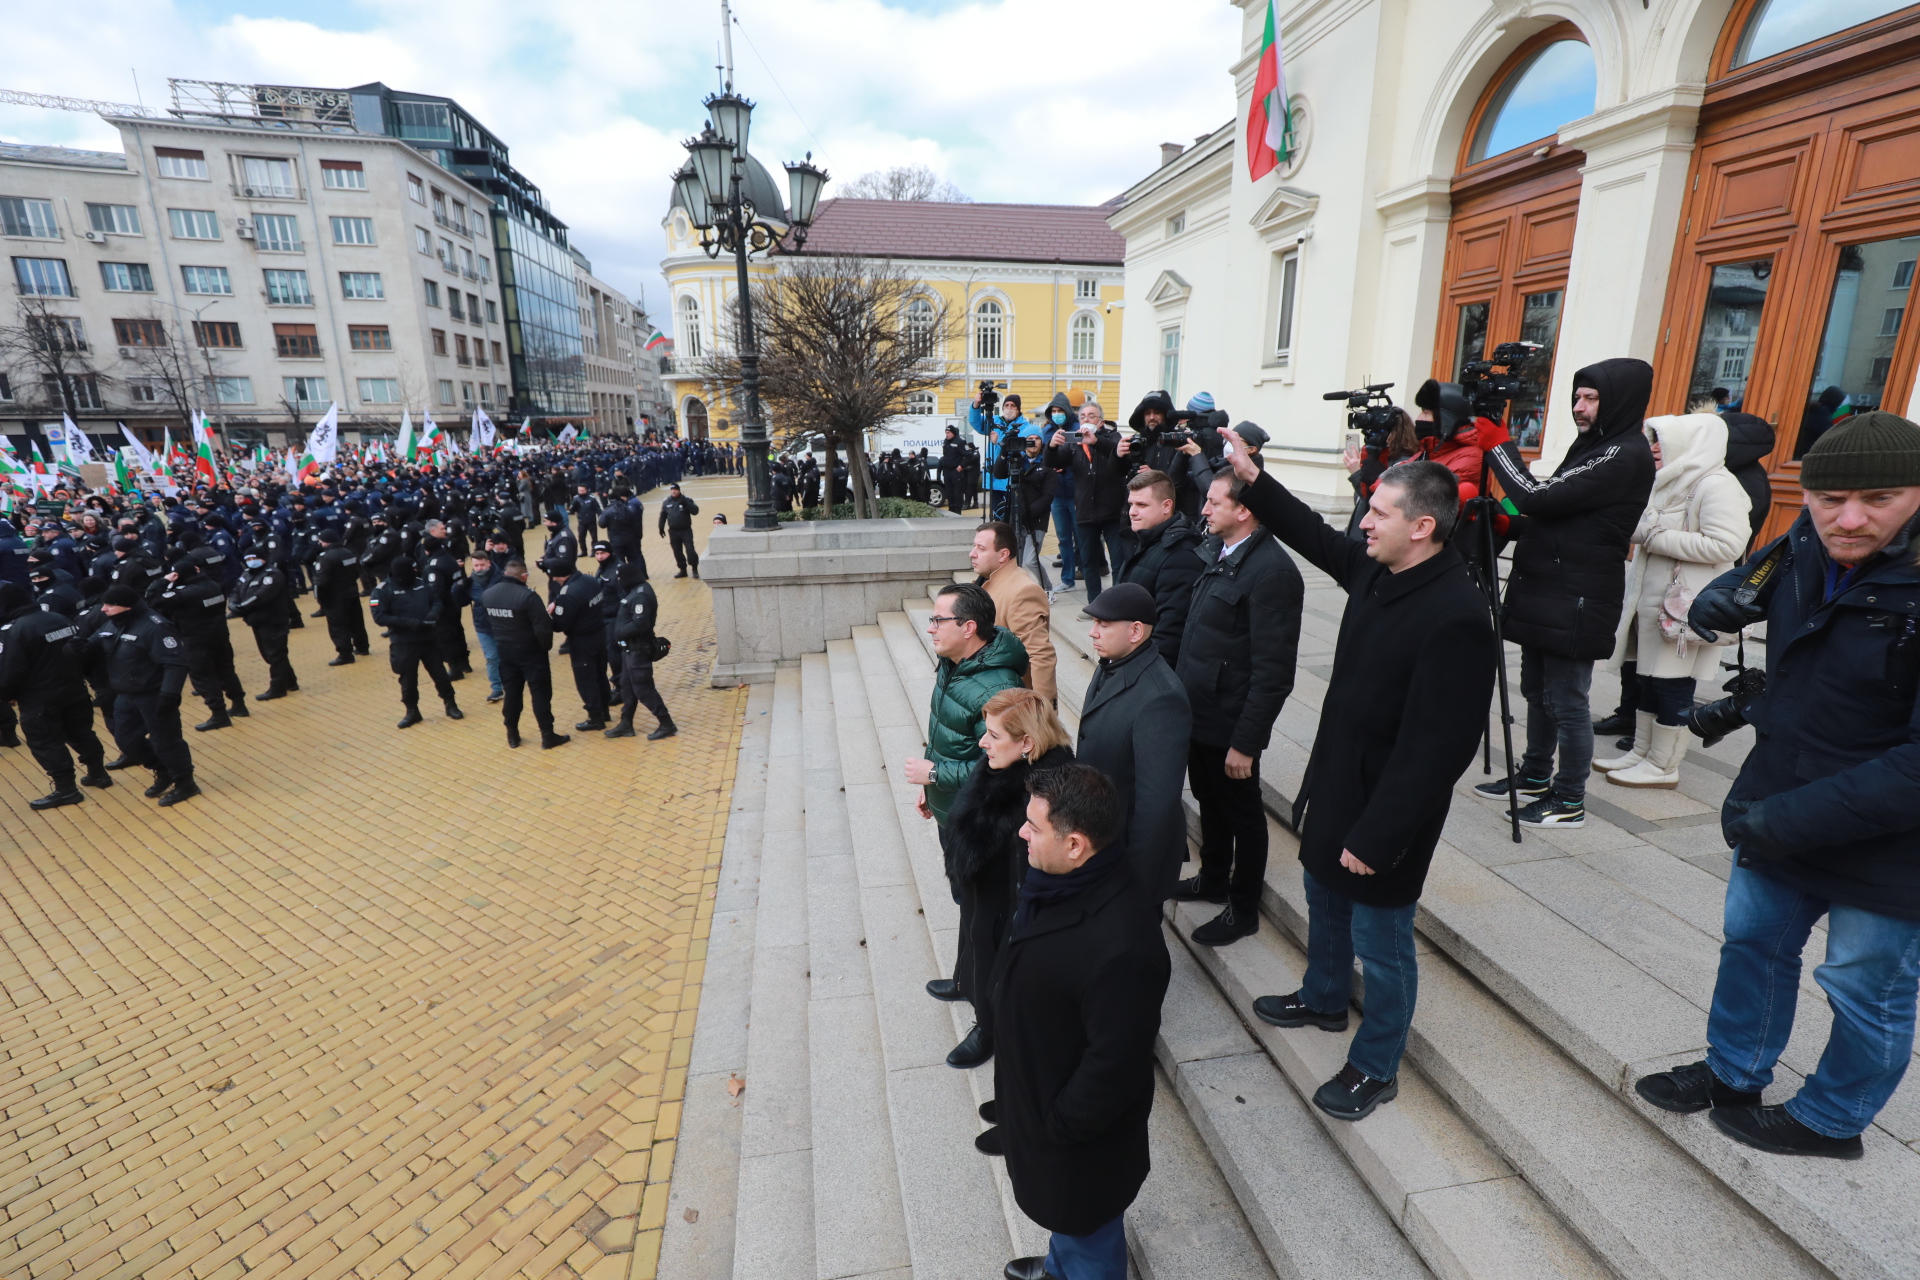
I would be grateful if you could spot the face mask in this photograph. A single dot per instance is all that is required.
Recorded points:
(254, 562)
(1059, 419)
(1009, 413)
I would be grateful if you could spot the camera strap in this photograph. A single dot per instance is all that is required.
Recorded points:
(1757, 578)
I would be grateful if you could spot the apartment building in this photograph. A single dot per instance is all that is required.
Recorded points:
(609, 351)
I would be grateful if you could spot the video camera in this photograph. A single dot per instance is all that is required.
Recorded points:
(1369, 411)
(1492, 382)
(989, 398)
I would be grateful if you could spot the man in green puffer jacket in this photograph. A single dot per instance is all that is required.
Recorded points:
(977, 660)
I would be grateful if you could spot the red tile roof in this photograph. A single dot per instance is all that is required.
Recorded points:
(968, 232)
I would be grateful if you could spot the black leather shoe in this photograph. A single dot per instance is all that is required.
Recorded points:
(97, 777)
(1228, 927)
(944, 989)
(1614, 725)
(566, 647)
(1028, 1269)
(972, 1052)
(364, 653)
(1352, 1094)
(318, 613)
(213, 722)
(622, 730)
(588, 726)
(58, 797)
(453, 710)
(1774, 1129)
(513, 737)
(160, 784)
(990, 1111)
(183, 789)
(1691, 1088)
(344, 660)
(1292, 1011)
(666, 730)
(412, 718)
(118, 762)
(548, 741)
(239, 708)
(270, 695)
(989, 1143)
(681, 574)
(1192, 890)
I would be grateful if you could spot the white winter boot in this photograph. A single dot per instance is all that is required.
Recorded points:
(1661, 768)
(1642, 739)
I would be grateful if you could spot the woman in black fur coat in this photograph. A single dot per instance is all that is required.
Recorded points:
(986, 855)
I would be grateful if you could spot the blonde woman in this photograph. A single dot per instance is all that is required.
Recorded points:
(987, 858)
(1693, 530)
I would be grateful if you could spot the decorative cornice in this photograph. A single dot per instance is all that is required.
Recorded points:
(1422, 198)
(1675, 108)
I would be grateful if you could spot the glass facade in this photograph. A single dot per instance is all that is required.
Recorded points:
(543, 322)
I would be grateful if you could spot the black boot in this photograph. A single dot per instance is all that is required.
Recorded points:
(549, 740)
(666, 730)
(411, 719)
(97, 777)
(453, 709)
(239, 708)
(218, 720)
(344, 660)
(9, 738)
(271, 694)
(63, 793)
(118, 762)
(622, 730)
(184, 788)
(160, 784)
(588, 726)
(513, 737)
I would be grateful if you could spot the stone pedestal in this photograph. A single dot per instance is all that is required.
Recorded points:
(780, 595)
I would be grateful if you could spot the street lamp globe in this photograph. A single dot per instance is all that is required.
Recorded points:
(804, 181)
(693, 196)
(730, 115)
(713, 161)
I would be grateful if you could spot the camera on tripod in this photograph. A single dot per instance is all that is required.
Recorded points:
(1492, 382)
(1369, 411)
(989, 398)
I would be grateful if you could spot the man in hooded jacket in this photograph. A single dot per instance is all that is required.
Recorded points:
(1566, 588)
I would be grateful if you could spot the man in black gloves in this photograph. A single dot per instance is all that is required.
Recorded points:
(523, 633)
(40, 669)
(578, 613)
(676, 525)
(410, 611)
(1824, 815)
(147, 669)
(633, 634)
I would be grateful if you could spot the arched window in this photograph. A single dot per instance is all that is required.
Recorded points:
(987, 329)
(1778, 25)
(1081, 334)
(689, 333)
(920, 327)
(1555, 84)
(920, 403)
(695, 417)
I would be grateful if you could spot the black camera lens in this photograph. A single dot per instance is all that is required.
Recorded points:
(1715, 720)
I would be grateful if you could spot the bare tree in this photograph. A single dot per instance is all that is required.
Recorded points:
(177, 379)
(843, 343)
(54, 349)
(905, 182)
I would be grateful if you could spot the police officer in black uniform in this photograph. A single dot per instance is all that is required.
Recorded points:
(261, 600)
(586, 510)
(147, 669)
(195, 602)
(523, 633)
(633, 633)
(53, 595)
(676, 523)
(128, 564)
(336, 586)
(624, 525)
(440, 570)
(579, 614)
(40, 670)
(560, 551)
(410, 611)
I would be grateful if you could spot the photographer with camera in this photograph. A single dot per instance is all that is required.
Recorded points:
(998, 428)
(1824, 815)
(1566, 587)
(1091, 453)
(1157, 445)
(1377, 451)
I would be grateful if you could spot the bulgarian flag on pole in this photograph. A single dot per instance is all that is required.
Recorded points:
(1269, 125)
(656, 339)
(203, 463)
(432, 438)
(403, 448)
(122, 473)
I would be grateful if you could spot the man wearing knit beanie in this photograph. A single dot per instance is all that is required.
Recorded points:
(1824, 818)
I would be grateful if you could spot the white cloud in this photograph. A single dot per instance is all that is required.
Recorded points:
(1024, 100)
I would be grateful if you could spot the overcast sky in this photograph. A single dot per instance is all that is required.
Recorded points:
(1050, 101)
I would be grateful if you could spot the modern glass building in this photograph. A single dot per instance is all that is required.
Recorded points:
(537, 296)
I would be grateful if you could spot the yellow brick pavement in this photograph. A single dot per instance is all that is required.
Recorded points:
(378, 1004)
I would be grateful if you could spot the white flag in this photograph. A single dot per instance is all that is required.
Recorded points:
(79, 448)
(323, 441)
(141, 453)
(483, 431)
(567, 433)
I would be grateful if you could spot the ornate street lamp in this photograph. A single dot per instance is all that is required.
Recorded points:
(712, 186)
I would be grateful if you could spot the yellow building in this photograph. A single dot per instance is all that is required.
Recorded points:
(1041, 287)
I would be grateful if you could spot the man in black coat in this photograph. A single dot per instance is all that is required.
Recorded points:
(578, 612)
(1099, 494)
(1567, 585)
(336, 585)
(193, 600)
(1412, 671)
(1077, 989)
(1824, 816)
(1134, 709)
(676, 525)
(1236, 662)
(261, 601)
(410, 611)
(523, 634)
(146, 669)
(1167, 562)
(632, 633)
(40, 670)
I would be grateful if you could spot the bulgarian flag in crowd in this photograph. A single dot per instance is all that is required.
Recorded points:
(432, 438)
(323, 446)
(403, 450)
(260, 458)
(203, 464)
(39, 463)
(122, 472)
(656, 339)
(1269, 125)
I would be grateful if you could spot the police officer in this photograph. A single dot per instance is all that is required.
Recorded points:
(53, 595)
(676, 523)
(147, 669)
(578, 613)
(40, 669)
(560, 551)
(523, 633)
(633, 633)
(382, 546)
(440, 570)
(194, 601)
(261, 600)
(586, 510)
(126, 563)
(625, 526)
(337, 588)
(410, 611)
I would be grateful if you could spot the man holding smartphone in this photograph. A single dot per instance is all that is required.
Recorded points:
(1092, 453)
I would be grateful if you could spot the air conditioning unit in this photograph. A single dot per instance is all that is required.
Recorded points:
(244, 231)
(252, 192)
(96, 237)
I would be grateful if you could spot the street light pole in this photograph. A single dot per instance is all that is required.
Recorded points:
(753, 431)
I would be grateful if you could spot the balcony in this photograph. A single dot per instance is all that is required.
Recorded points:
(271, 191)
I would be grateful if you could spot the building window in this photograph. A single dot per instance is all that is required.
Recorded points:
(267, 176)
(84, 389)
(493, 312)
(194, 224)
(1890, 321)
(500, 394)
(1882, 366)
(380, 391)
(175, 163)
(1738, 320)
(690, 325)
(416, 190)
(920, 320)
(288, 289)
(143, 390)
(453, 305)
(460, 349)
(466, 394)
(473, 307)
(363, 285)
(233, 390)
(921, 403)
(126, 277)
(486, 269)
(217, 333)
(139, 333)
(423, 241)
(296, 342)
(1778, 25)
(57, 333)
(1176, 224)
(1081, 335)
(34, 218)
(497, 358)
(1283, 310)
(486, 396)
(446, 391)
(1902, 274)
(43, 277)
(480, 353)
(114, 219)
(440, 206)
(1086, 290)
(206, 280)
(305, 392)
(988, 331)
(439, 342)
(6, 387)
(446, 254)
(343, 175)
(352, 230)
(466, 261)
(1555, 85)
(369, 337)
(1170, 361)
(1733, 364)
(433, 292)
(277, 232)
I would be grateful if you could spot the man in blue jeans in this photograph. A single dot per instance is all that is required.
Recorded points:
(1825, 814)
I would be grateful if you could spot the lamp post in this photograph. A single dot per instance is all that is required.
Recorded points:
(712, 186)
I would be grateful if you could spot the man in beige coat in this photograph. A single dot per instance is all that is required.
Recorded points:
(1019, 602)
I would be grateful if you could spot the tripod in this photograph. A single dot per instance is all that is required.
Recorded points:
(1482, 511)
